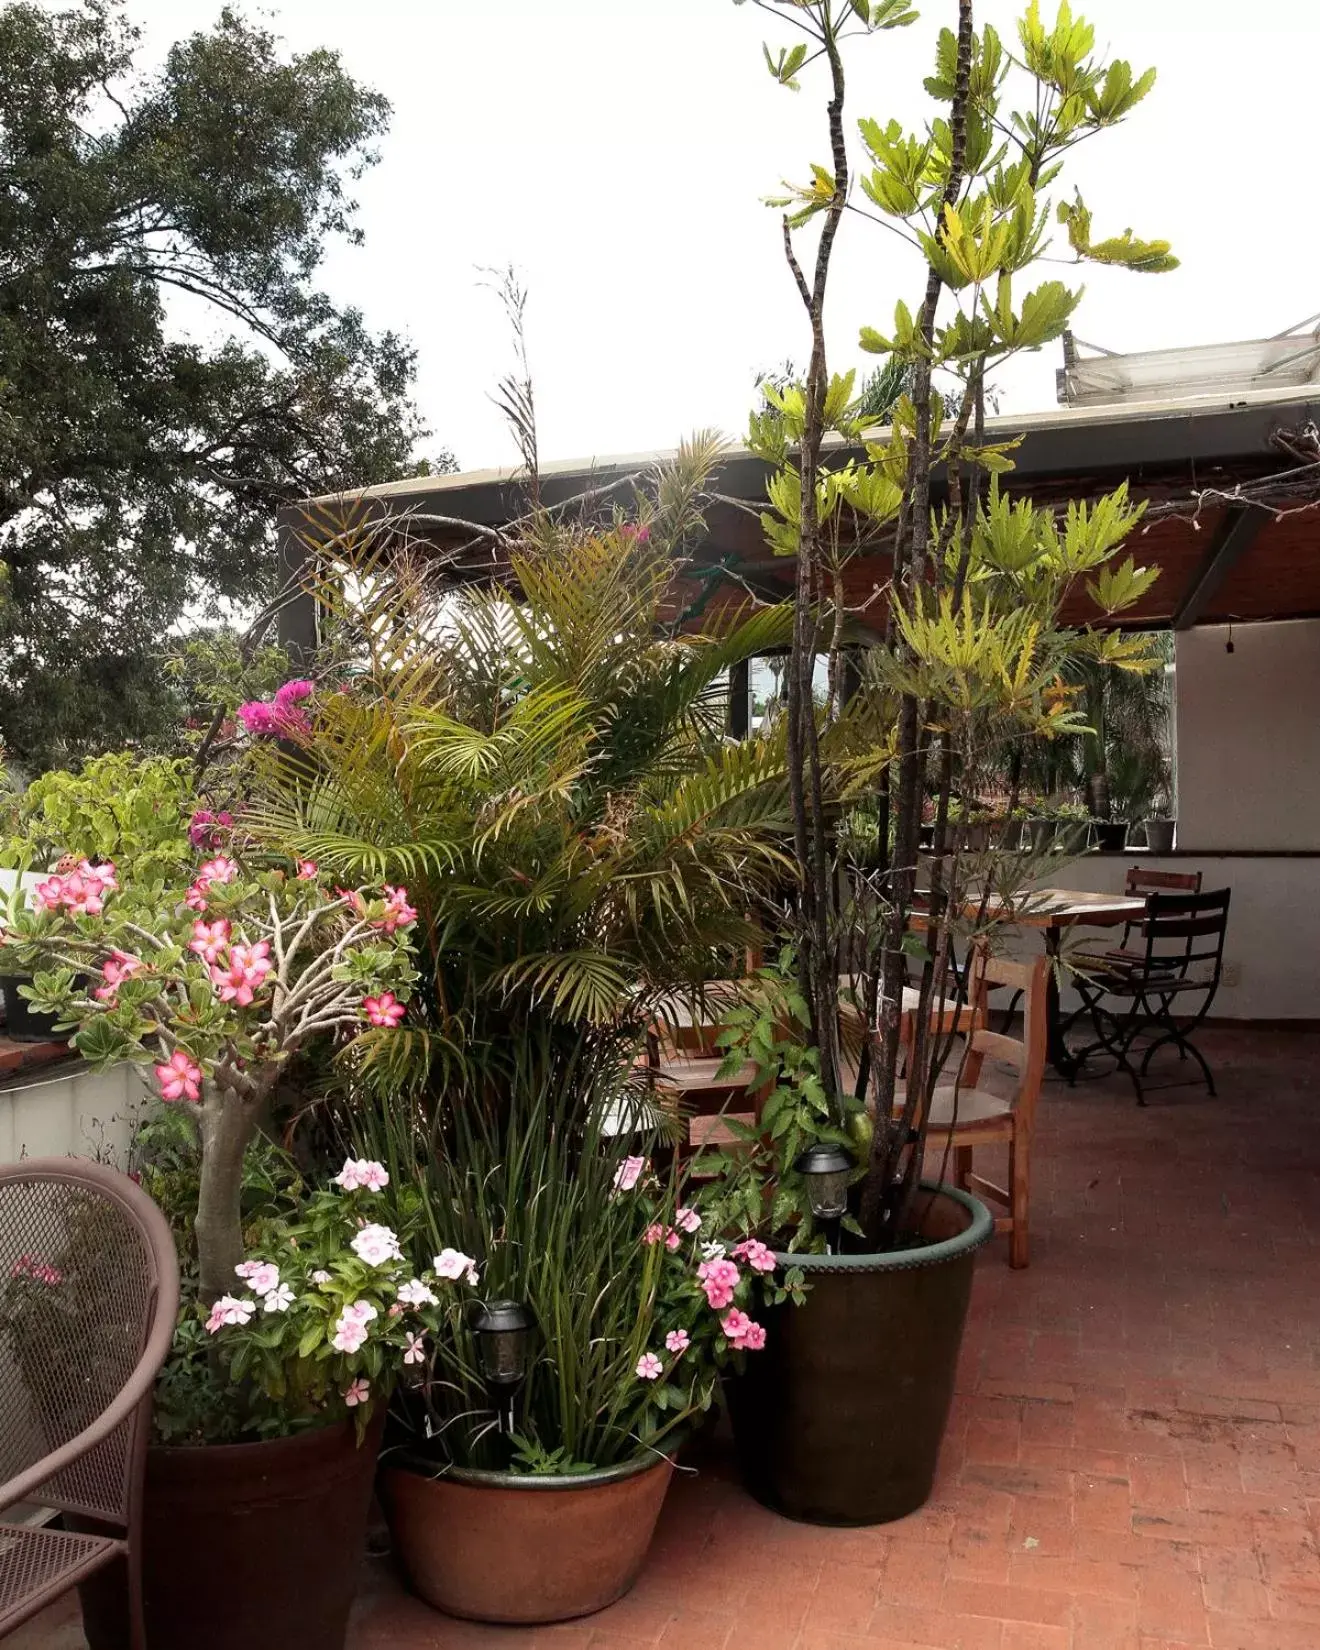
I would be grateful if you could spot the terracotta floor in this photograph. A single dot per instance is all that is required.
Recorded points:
(1134, 1461)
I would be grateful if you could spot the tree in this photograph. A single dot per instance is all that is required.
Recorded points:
(142, 456)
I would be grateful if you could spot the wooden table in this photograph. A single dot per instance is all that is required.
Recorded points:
(1055, 911)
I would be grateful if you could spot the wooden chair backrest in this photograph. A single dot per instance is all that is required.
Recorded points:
(1027, 1054)
(1141, 880)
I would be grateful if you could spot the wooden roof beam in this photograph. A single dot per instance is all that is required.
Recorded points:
(1237, 533)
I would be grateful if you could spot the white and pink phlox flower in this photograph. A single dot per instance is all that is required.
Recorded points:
(376, 1245)
(452, 1263)
(362, 1174)
(677, 1341)
(628, 1173)
(718, 1278)
(263, 1276)
(279, 1299)
(229, 1310)
(415, 1351)
(209, 939)
(756, 1254)
(742, 1331)
(350, 1335)
(687, 1220)
(320, 1275)
(649, 1367)
(180, 1078)
(416, 1293)
(358, 1393)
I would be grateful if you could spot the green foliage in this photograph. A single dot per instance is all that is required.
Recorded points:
(544, 764)
(133, 810)
(140, 469)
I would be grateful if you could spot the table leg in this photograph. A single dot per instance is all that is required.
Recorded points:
(1056, 1049)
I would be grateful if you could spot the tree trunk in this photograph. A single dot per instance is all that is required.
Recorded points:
(227, 1126)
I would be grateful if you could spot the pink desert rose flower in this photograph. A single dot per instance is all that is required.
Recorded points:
(452, 1263)
(81, 892)
(757, 1256)
(180, 1078)
(358, 1393)
(219, 869)
(118, 967)
(228, 1310)
(306, 870)
(416, 1293)
(415, 1351)
(209, 939)
(649, 1367)
(676, 1341)
(204, 828)
(243, 974)
(398, 912)
(628, 1173)
(376, 1245)
(719, 1279)
(385, 1010)
(687, 1220)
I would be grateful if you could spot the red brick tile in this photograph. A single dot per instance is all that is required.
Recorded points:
(1173, 1604)
(1232, 1633)
(1011, 1603)
(936, 1630)
(1157, 1483)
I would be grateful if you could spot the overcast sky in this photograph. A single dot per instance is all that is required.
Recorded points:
(616, 151)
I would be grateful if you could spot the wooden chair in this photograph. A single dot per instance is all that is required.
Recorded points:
(1139, 883)
(964, 1116)
(89, 1293)
(683, 1065)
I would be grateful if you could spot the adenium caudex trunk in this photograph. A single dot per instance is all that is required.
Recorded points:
(228, 1122)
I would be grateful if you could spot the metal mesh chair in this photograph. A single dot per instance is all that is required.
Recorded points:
(89, 1294)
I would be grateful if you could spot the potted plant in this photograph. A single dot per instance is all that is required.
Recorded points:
(1073, 822)
(1159, 829)
(218, 985)
(974, 664)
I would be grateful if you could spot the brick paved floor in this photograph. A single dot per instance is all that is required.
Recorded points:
(1134, 1459)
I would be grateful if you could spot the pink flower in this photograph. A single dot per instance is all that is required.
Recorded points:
(676, 1341)
(320, 1275)
(205, 828)
(279, 1299)
(257, 716)
(243, 974)
(672, 1240)
(376, 1245)
(219, 869)
(49, 895)
(653, 1233)
(360, 1173)
(306, 870)
(451, 1263)
(687, 1220)
(351, 1328)
(180, 1078)
(81, 891)
(293, 692)
(385, 1010)
(628, 1173)
(757, 1256)
(209, 939)
(719, 1279)
(263, 1277)
(742, 1331)
(119, 967)
(416, 1293)
(398, 912)
(360, 1312)
(228, 1310)
(649, 1367)
(358, 1393)
(415, 1351)
(195, 898)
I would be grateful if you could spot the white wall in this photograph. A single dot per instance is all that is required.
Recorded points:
(1248, 730)
(76, 1113)
(1272, 951)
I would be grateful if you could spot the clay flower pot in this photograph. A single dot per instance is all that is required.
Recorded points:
(500, 1547)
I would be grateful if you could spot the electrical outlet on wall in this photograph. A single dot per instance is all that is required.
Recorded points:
(1230, 975)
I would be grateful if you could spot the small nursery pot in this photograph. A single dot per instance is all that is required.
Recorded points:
(1111, 835)
(839, 1419)
(23, 1024)
(246, 1544)
(1159, 836)
(504, 1547)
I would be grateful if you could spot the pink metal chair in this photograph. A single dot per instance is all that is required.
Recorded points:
(89, 1294)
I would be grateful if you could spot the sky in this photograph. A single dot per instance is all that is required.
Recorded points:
(617, 153)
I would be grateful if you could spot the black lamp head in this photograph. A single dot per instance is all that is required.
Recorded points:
(504, 1341)
(827, 1170)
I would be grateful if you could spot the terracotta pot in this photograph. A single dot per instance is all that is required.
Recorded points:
(840, 1419)
(255, 1545)
(492, 1546)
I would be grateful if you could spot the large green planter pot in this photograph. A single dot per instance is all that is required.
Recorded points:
(839, 1419)
(499, 1547)
(246, 1546)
